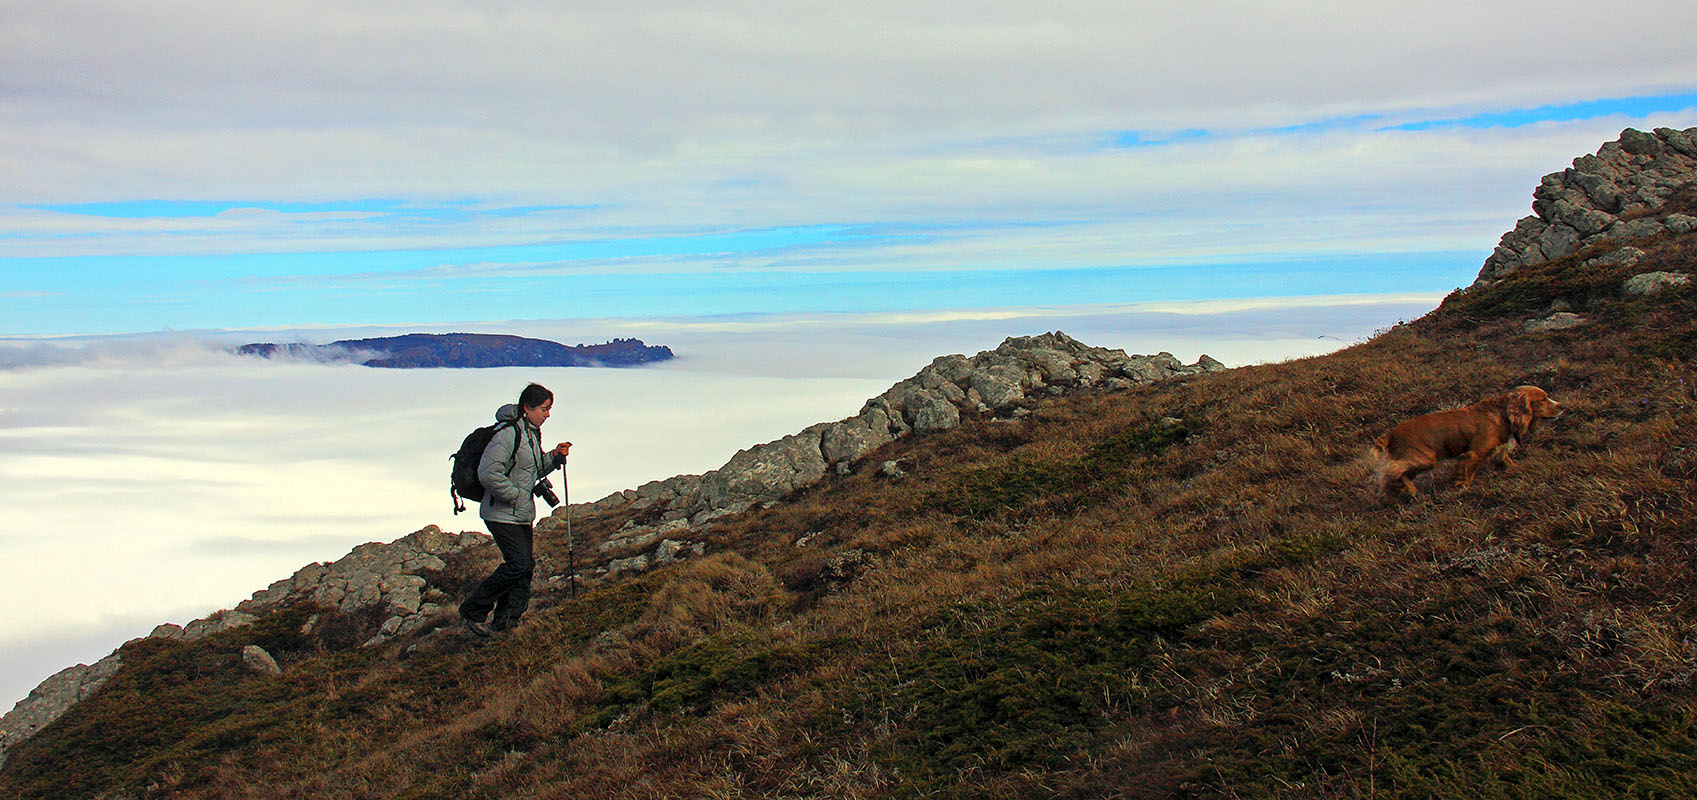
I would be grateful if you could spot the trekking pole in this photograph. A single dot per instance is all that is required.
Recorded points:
(571, 544)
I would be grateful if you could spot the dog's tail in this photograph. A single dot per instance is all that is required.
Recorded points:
(1378, 458)
(1381, 448)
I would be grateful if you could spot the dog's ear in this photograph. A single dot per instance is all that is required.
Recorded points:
(1519, 412)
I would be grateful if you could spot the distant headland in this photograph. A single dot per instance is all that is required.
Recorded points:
(465, 350)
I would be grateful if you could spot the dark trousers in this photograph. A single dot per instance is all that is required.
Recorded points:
(507, 589)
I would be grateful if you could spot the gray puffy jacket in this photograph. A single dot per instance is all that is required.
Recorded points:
(507, 497)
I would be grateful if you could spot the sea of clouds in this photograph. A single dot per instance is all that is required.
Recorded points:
(158, 478)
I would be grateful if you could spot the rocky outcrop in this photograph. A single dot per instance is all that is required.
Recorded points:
(374, 574)
(1004, 381)
(1620, 194)
(53, 698)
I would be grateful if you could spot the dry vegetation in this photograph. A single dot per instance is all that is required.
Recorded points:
(1181, 591)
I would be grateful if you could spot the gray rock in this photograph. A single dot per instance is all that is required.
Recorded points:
(673, 550)
(999, 386)
(637, 563)
(1619, 257)
(168, 630)
(1054, 365)
(768, 471)
(1148, 369)
(52, 698)
(1558, 240)
(1682, 141)
(1641, 228)
(854, 437)
(1639, 143)
(1652, 282)
(891, 469)
(1561, 320)
(952, 368)
(255, 658)
(217, 623)
(934, 414)
(1089, 373)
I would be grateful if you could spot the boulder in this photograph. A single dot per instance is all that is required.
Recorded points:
(768, 471)
(856, 436)
(932, 413)
(999, 386)
(1652, 282)
(255, 658)
(216, 623)
(673, 550)
(1560, 320)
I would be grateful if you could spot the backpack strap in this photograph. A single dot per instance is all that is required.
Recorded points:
(518, 439)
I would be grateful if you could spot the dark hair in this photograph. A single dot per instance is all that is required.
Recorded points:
(534, 396)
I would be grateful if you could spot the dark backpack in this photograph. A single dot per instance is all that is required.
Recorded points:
(463, 483)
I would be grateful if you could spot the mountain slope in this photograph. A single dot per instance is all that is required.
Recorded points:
(1180, 589)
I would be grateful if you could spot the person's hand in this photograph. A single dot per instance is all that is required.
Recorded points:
(562, 449)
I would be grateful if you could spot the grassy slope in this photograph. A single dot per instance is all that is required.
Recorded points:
(1086, 603)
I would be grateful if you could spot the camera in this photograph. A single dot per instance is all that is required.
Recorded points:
(545, 490)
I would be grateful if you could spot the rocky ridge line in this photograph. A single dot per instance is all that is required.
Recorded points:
(1615, 194)
(1004, 381)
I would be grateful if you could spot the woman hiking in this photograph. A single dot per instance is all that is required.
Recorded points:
(512, 466)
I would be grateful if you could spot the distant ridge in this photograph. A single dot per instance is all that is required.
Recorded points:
(466, 350)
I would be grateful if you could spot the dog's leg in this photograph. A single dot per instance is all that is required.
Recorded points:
(1500, 455)
(1408, 485)
(1465, 470)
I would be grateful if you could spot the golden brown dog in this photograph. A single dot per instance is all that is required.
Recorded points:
(1486, 430)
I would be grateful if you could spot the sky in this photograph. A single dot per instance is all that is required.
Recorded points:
(806, 201)
(214, 165)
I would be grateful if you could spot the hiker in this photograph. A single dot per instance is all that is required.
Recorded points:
(512, 471)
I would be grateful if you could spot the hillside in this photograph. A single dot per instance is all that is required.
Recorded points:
(465, 350)
(1178, 588)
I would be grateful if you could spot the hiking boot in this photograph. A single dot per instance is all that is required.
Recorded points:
(475, 627)
(503, 625)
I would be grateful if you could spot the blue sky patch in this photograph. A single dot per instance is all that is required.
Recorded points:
(1638, 106)
(1561, 112)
